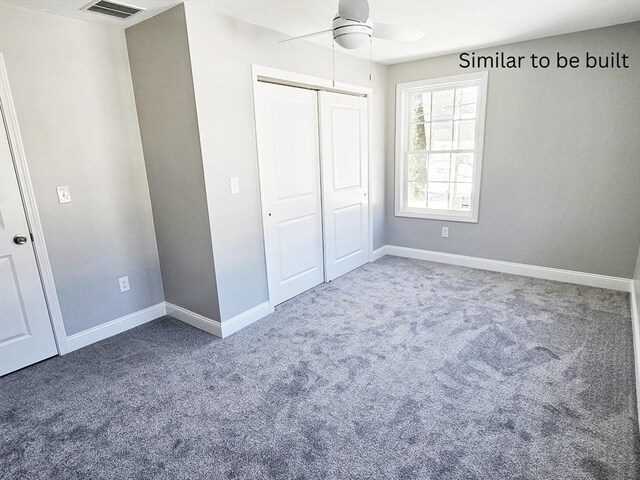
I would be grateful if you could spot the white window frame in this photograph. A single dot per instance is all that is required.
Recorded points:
(403, 92)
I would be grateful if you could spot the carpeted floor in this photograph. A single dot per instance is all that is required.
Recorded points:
(400, 369)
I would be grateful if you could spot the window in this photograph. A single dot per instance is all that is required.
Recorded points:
(439, 132)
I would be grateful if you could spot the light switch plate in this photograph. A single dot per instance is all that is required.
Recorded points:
(235, 185)
(64, 196)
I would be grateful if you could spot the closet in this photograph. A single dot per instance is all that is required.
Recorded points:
(313, 159)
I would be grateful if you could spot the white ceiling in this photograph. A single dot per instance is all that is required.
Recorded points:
(73, 9)
(450, 25)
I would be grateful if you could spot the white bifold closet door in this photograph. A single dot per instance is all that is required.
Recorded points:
(345, 180)
(287, 135)
(314, 175)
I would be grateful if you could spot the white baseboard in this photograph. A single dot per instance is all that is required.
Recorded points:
(246, 318)
(119, 325)
(194, 319)
(220, 329)
(122, 324)
(635, 322)
(547, 273)
(379, 253)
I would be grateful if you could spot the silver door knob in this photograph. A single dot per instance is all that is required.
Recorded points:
(20, 239)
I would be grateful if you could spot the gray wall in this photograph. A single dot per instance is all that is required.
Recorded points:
(161, 71)
(561, 164)
(72, 89)
(222, 51)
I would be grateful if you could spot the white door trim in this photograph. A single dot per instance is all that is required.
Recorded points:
(261, 73)
(7, 108)
(635, 325)
(293, 79)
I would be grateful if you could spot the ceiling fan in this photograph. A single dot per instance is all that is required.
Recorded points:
(352, 27)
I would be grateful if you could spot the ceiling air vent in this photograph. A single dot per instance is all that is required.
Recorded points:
(112, 9)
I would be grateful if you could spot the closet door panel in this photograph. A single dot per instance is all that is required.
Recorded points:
(345, 179)
(288, 146)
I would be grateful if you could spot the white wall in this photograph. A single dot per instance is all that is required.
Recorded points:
(222, 51)
(561, 160)
(74, 100)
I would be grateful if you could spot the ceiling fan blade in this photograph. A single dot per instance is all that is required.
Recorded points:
(357, 10)
(396, 32)
(305, 36)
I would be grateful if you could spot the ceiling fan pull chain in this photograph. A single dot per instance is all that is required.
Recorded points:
(333, 60)
(370, 56)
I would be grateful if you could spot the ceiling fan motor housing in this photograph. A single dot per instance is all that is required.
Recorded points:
(351, 34)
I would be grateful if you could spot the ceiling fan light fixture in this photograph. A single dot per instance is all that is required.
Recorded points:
(352, 41)
(351, 34)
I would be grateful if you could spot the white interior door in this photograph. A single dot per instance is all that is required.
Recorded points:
(345, 178)
(287, 135)
(26, 335)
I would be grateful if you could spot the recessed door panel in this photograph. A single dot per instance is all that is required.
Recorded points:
(347, 234)
(345, 139)
(297, 245)
(13, 321)
(294, 161)
(345, 157)
(288, 146)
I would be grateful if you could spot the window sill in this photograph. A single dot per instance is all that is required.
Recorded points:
(448, 217)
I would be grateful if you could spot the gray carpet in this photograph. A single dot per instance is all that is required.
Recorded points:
(400, 369)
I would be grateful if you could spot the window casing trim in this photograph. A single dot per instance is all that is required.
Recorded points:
(403, 92)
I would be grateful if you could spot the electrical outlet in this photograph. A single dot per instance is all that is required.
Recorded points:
(445, 232)
(124, 284)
